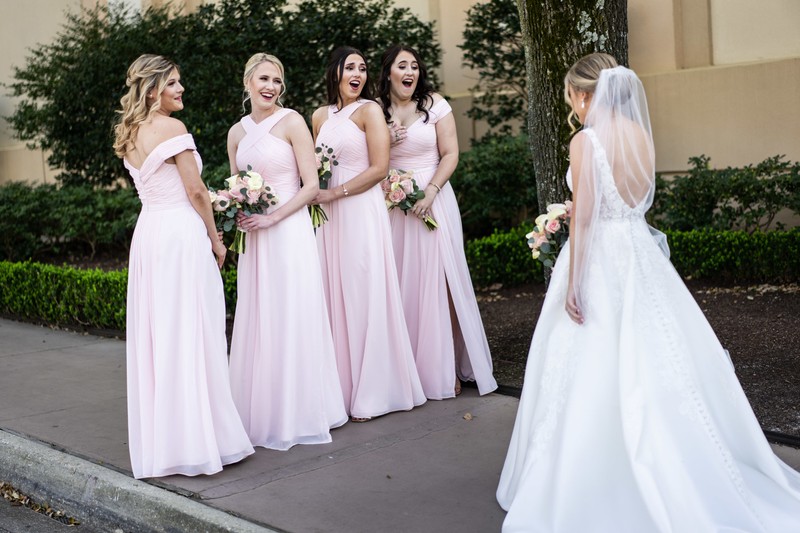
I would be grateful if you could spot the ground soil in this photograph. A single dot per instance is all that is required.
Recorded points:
(757, 324)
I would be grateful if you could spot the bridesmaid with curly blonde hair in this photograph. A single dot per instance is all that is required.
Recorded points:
(181, 416)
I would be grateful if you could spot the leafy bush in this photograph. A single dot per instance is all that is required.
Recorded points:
(63, 296)
(494, 48)
(724, 256)
(495, 185)
(745, 198)
(69, 90)
(50, 220)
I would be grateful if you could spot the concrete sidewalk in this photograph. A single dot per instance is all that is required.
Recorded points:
(63, 416)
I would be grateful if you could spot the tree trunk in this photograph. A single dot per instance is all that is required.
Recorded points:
(556, 34)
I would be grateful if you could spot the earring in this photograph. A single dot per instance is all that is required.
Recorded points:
(583, 104)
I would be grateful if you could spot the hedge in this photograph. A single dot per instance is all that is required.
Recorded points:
(95, 299)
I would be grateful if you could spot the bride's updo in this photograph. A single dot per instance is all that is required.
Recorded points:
(148, 74)
(583, 76)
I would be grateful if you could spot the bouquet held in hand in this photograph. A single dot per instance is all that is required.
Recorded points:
(325, 160)
(246, 192)
(550, 233)
(402, 191)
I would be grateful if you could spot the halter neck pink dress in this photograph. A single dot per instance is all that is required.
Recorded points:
(283, 367)
(373, 351)
(181, 417)
(431, 262)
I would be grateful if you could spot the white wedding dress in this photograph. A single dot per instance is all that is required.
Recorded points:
(635, 421)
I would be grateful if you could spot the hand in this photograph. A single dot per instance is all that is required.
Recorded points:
(218, 247)
(572, 308)
(422, 208)
(325, 196)
(254, 222)
(397, 134)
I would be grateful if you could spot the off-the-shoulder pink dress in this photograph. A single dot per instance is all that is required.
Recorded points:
(283, 367)
(429, 264)
(181, 416)
(373, 351)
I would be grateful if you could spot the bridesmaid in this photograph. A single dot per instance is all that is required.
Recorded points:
(373, 351)
(441, 311)
(283, 367)
(181, 417)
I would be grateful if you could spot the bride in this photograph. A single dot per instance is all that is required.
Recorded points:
(631, 418)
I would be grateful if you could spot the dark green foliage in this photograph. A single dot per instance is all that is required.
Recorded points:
(63, 296)
(503, 257)
(493, 48)
(71, 89)
(56, 221)
(495, 185)
(724, 256)
(732, 198)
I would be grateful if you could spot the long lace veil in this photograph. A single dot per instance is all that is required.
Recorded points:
(622, 145)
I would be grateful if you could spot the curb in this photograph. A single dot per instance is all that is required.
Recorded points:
(105, 499)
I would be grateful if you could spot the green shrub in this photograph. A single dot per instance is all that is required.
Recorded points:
(745, 198)
(49, 220)
(495, 185)
(502, 257)
(63, 296)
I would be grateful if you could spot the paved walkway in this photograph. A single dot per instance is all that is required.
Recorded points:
(62, 414)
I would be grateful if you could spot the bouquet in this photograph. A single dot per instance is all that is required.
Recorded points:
(550, 233)
(402, 191)
(246, 192)
(325, 160)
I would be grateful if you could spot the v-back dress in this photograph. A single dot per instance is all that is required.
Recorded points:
(373, 350)
(283, 367)
(181, 416)
(634, 421)
(429, 264)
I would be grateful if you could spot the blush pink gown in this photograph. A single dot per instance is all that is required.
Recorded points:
(431, 262)
(283, 367)
(373, 351)
(181, 417)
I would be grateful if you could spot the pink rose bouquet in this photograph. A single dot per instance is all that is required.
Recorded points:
(401, 191)
(550, 233)
(246, 192)
(325, 160)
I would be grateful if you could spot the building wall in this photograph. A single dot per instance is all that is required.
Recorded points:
(722, 76)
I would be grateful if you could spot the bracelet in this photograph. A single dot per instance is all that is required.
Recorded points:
(345, 191)
(438, 189)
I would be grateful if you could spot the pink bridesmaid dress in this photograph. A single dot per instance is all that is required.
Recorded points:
(431, 262)
(283, 367)
(181, 417)
(373, 351)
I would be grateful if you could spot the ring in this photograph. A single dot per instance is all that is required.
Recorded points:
(396, 135)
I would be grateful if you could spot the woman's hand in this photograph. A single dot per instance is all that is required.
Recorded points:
(571, 306)
(397, 134)
(325, 196)
(422, 208)
(253, 222)
(218, 247)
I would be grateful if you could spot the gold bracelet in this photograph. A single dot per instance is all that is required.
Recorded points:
(345, 191)
(438, 189)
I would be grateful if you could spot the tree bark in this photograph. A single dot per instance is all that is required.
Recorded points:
(556, 33)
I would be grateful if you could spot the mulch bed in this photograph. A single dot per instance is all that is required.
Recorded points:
(757, 324)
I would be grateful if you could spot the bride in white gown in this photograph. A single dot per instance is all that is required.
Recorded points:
(631, 417)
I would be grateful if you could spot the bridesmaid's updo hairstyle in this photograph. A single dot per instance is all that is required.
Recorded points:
(147, 75)
(250, 68)
(335, 69)
(423, 93)
(583, 76)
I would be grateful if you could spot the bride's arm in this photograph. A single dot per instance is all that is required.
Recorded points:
(576, 153)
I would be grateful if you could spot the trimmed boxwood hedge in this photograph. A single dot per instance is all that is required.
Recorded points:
(95, 299)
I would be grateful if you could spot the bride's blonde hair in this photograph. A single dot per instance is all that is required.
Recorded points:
(250, 68)
(148, 74)
(583, 76)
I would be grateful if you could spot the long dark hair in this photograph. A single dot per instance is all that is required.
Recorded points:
(333, 74)
(422, 93)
